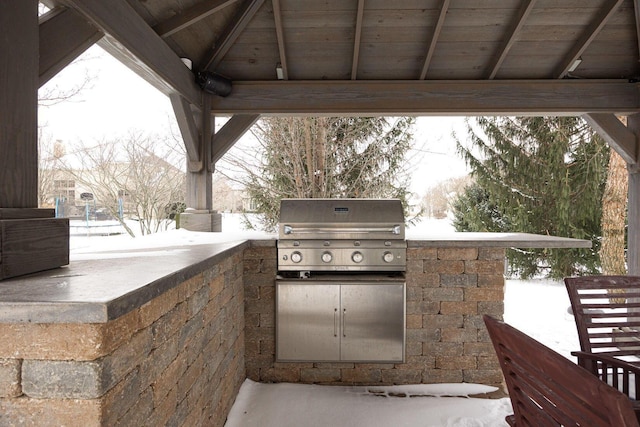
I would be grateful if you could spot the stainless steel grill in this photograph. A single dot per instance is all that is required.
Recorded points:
(340, 290)
(341, 235)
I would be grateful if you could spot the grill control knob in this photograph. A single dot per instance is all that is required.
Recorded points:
(327, 257)
(357, 257)
(296, 257)
(388, 257)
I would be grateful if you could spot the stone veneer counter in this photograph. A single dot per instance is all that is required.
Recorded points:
(163, 330)
(102, 285)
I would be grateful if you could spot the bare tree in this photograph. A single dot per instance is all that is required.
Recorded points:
(437, 199)
(134, 178)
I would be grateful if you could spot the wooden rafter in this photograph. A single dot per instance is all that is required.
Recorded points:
(428, 97)
(190, 16)
(444, 7)
(64, 35)
(512, 34)
(277, 17)
(231, 132)
(616, 134)
(132, 41)
(231, 34)
(356, 40)
(587, 37)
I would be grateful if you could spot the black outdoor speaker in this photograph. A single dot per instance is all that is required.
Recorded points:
(213, 83)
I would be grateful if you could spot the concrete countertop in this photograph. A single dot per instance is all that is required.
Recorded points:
(103, 283)
(495, 240)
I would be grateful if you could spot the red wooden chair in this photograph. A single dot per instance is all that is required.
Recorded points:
(546, 389)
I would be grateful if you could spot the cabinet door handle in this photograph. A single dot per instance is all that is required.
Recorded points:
(344, 322)
(335, 322)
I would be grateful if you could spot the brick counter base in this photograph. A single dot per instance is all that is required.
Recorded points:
(448, 291)
(177, 360)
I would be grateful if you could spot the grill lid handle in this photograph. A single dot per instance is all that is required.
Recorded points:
(287, 229)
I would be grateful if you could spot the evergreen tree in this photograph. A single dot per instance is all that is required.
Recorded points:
(326, 157)
(542, 175)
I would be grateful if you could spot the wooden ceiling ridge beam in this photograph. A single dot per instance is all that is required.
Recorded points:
(277, 17)
(64, 35)
(356, 40)
(132, 41)
(587, 37)
(222, 45)
(512, 35)
(444, 7)
(190, 16)
(230, 133)
(431, 97)
(617, 135)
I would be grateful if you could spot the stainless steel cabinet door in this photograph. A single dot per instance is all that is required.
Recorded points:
(372, 322)
(307, 322)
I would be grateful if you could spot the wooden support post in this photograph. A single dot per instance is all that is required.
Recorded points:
(31, 239)
(633, 231)
(199, 182)
(19, 82)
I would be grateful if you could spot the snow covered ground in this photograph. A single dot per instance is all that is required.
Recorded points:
(537, 307)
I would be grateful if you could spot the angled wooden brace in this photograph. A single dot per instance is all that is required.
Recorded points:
(231, 132)
(64, 35)
(617, 135)
(187, 122)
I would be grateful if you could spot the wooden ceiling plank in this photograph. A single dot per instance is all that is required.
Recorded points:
(512, 34)
(619, 137)
(231, 34)
(190, 16)
(230, 133)
(356, 40)
(587, 37)
(188, 130)
(132, 41)
(444, 7)
(64, 35)
(431, 97)
(277, 17)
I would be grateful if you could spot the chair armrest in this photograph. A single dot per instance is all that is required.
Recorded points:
(608, 360)
(620, 374)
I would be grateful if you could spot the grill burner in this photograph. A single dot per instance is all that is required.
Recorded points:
(341, 235)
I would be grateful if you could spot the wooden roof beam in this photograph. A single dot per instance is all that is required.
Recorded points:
(190, 16)
(64, 35)
(444, 7)
(231, 132)
(431, 97)
(516, 26)
(621, 139)
(356, 40)
(277, 17)
(132, 41)
(587, 37)
(231, 34)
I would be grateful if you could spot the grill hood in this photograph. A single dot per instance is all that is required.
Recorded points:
(341, 219)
